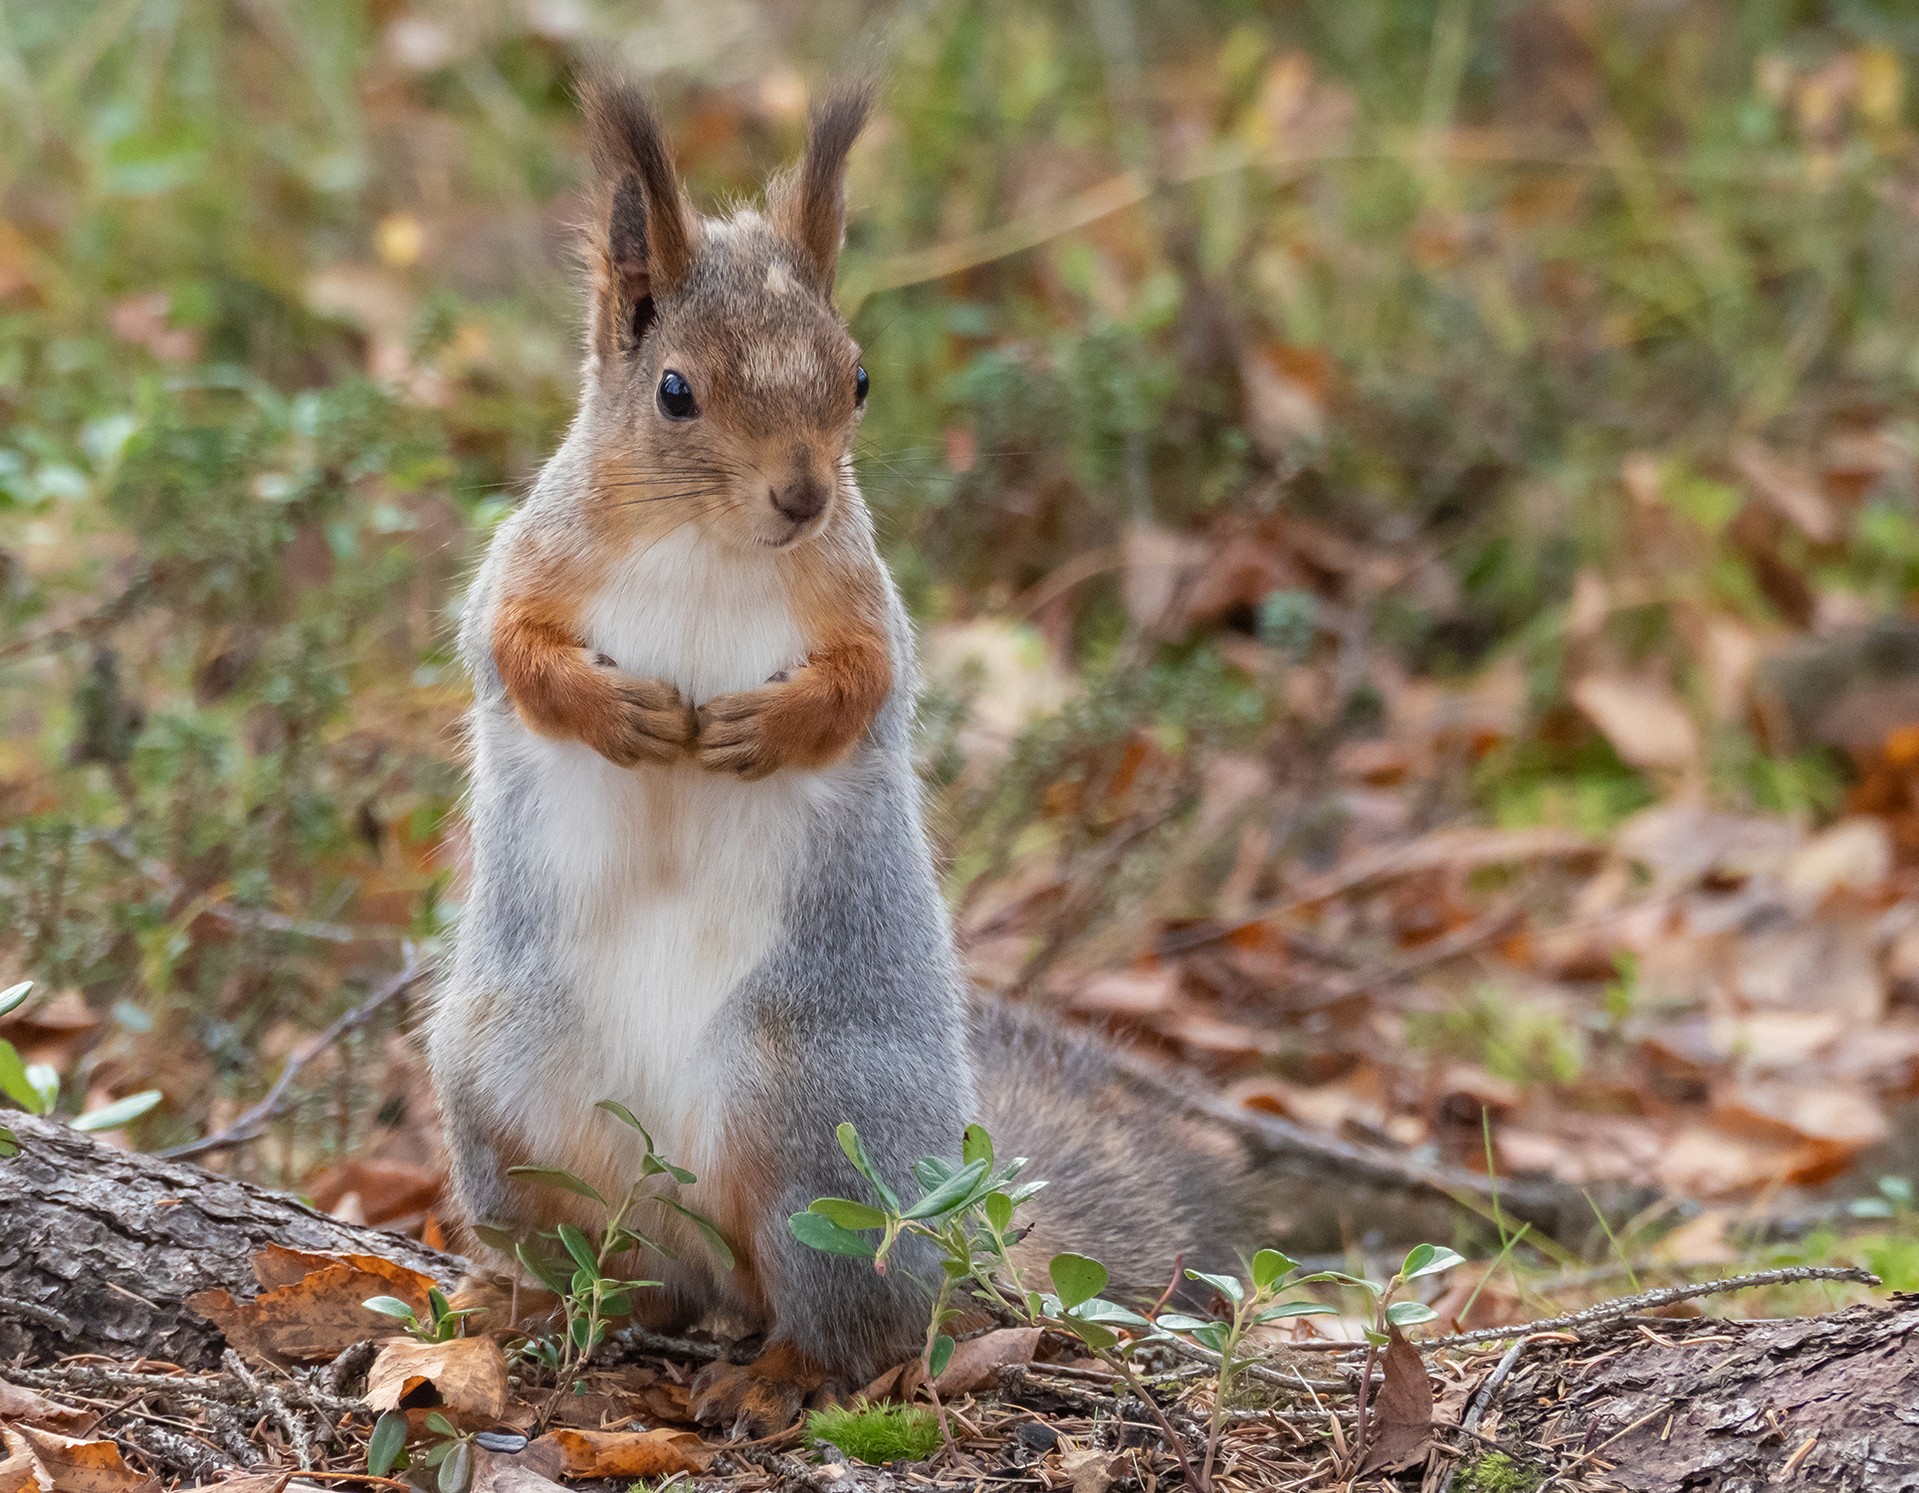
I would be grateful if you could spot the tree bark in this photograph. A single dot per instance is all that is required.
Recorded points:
(1682, 1406)
(100, 1248)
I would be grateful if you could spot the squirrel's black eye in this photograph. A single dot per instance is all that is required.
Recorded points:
(676, 397)
(860, 384)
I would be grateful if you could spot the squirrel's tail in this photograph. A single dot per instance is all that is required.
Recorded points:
(1146, 1173)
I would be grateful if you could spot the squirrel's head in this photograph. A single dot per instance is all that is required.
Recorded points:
(723, 386)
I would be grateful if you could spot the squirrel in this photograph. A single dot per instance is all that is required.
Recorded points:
(699, 881)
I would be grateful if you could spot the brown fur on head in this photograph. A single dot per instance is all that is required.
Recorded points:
(733, 313)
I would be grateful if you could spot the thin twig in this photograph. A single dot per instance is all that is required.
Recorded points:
(1664, 1296)
(250, 1125)
(1483, 1400)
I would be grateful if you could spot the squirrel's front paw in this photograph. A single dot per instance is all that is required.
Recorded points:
(735, 734)
(649, 721)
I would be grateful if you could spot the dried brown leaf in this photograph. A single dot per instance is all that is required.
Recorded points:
(17, 1404)
(316, 1313)
(20, 1469)
(975, 1363)
(80, 1466)
(1641, 718)
(1400, 1427)
(466, 1374)
(662, 1453)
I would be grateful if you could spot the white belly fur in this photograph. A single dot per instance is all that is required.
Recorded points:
(672, 880)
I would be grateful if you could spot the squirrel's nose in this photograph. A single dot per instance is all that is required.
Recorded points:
(801, 499)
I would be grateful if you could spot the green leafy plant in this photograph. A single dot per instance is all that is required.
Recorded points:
(1252, 1303)
(580, 1272)
(876, 1434)
(967, 1213)
(35, 1087)
(442, 1323)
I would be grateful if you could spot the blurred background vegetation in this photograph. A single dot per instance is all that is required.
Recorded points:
(1297, 428)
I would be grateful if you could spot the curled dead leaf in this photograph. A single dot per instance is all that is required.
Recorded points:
(466, 1376)
(311, 1306)
(661, 1453)
(976, 1363)
(1642, 719)
(20, 1469)
(17, 1404)
(1399, 1431)
(74, 1465)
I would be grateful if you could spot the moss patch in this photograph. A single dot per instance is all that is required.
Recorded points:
(1497, 1473)
(880, 1433)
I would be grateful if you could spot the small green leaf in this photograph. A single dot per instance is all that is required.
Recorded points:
(392, 1306)
(44, 1079)
(1270, 1267)
(437, 1303)
(557, 1176)
(388, 1440)
(1226, 1285)
(541, 1270)
(941, 1355)
(1091, 1333)
(1410, 1313)
(715, 1240)
(849, 1140)
(816, 1231)
(1429, 1259)
(492, 1234)
(14, 1082)
(849, 1214)
(456, 1472)
(581, 1249)
(1076, 1278)
(1339, 1277)
(1296, 1309)
(1181, 1322)
(999, 1212)
(626, 1117)
(977, 1145)
(439, 1425)
(1097, 1309)
(950, 1194)
(15, 996)
(930, 1171)
(120, 1112)
(9, 1144)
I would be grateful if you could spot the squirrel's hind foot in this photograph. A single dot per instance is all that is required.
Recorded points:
(756, 1399)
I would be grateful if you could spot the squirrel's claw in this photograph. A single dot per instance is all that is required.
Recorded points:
(733, 736)
(755, 1399)
(651, 722)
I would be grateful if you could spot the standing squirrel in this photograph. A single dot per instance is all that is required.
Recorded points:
(700, 885)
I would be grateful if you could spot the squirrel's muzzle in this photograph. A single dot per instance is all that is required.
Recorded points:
(802, 499)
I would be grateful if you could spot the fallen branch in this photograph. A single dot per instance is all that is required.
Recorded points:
(278, 1100)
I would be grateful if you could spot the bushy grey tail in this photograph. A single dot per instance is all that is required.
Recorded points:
(1144, 1170)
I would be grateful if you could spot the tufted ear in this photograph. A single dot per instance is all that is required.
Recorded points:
(808, 205)
(640, 235)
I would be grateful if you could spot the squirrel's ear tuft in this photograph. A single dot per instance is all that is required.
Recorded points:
(640, 235)
(808, 205)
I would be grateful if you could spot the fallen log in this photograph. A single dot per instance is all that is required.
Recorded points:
(1653, 1405)
(100, 1248)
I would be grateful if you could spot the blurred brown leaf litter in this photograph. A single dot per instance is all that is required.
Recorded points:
(1413, 515)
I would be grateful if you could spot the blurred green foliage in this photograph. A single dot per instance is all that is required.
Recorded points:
(286, 319)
